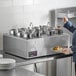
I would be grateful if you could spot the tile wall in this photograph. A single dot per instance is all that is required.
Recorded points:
(20, 13)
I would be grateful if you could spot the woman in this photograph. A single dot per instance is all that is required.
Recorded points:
(68, 25)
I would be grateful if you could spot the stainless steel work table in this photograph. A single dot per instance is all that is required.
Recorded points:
(18, 72)
(23, 61)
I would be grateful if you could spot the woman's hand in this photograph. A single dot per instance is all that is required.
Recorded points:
(66, 50)
(65, 19)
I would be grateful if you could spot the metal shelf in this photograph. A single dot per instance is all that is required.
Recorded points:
(69, 15)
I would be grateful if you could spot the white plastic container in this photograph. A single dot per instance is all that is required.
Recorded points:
(7, 64)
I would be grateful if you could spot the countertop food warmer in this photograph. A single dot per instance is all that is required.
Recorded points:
(31, 48)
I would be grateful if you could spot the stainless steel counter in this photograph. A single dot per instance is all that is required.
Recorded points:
(23, 61)
(19, 72)
(49, 65)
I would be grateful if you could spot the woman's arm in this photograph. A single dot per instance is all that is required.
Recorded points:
(68, 25)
